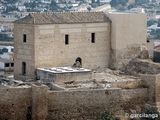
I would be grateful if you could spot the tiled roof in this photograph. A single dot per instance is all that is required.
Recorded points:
(64, 17)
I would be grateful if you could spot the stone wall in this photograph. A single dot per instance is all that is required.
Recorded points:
(150, 46)
(51, 50)
(153, 83)
(38, 103)
(24, 51)
(134, 99)
(15, 103)
(82, 105)
(128, 33)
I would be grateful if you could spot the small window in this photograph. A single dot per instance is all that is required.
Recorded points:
(93, 37)
(12, 50)
(12, 64)
(24, 38)
(23, 68)
(66, 39)
(7, 65)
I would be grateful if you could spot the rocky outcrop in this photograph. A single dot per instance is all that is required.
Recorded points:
(142, 66)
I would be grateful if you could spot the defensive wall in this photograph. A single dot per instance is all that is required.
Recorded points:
(38, 103)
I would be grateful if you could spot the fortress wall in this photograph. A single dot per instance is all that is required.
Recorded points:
(39, 103)
(134, 99)
(88, 104)
(128, 33)
(15, 103)
(84, 104)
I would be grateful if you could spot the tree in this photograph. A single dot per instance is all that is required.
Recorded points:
(9, 9)
(11, 1)
(120, 8)
(89, 9)
(158, 12)
(5, 37)
(158, 23)
(94, 5)
(140, 2)
(151, 22)
(53, 5)
(115, 3)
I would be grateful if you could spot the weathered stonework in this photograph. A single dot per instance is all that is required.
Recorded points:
(37, 103)
(128, 33)
(116, 42)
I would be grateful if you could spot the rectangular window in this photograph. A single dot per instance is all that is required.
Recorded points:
(6, 64)
(66, 39)
(12, 64)
(93, 37)
(24, 38)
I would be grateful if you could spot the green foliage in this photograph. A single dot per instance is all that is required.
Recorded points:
(94, 5)
(140, 2)
(137, 3)
(158, 33)
(53, 6)
(31, 4)
(106, 116)
(11, 1)
(5, 37)
(120, 8)
(152, 111)
(89, 9)
(159, 23)
(151, 22)
(10, 9)
(158, 12)
(115, 3)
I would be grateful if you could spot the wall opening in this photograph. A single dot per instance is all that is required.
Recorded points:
(80, 60)
(66, 39)
(93, 37)
(29, 113)
(6, 64)
(24, 38)
(12, 64)
(23, 68)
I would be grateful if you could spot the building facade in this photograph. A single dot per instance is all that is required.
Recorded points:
(45, 40)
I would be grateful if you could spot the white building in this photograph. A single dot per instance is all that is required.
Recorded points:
(6, 49)
(6, 65)
(153, 27)
(46, 1)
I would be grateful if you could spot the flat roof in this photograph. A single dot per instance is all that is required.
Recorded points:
(5, 60)
(64, 69)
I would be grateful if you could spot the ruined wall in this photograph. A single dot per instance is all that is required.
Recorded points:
(51, 50)
(88, 104)
(15, 103)
(38, 103)
(150, 46)
(134, 99)
(24, 51)
(153, 83)
(82, 105)
(128, 33)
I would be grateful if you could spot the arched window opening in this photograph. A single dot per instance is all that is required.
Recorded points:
(79, 59)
